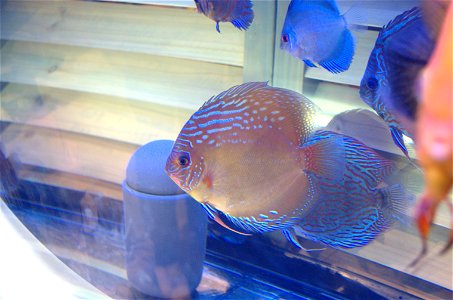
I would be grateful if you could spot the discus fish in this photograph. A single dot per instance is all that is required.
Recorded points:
(243, 155)
(315, 32)
(375, 85)
(238, 12)
(434, 131)
(406, 52)
(353, 212)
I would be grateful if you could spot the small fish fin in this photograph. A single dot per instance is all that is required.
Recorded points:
(243, 16)
(399, 22)
(325, 157)
(309, 63)
(341, 58)
(220, 221)
(217, 27)
(291, 236)
(397, 136)
(214, 214)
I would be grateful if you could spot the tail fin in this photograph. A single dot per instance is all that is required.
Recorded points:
(243, 15)
(341, 58)
(396, 203)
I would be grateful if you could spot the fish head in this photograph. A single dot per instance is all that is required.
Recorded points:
(184, 165)
(288, 38)
(374, 80)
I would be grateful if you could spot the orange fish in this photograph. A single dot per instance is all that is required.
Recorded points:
(434, 131)
(243, 155)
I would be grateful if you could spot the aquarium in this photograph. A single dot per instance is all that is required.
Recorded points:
(216, 150)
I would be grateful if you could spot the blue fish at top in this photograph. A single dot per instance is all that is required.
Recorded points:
(238, 12)
(316, 33)
(401, 50)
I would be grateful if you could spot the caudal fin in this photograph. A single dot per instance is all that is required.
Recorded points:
(340, 59)
(396, 203)
(243, 15)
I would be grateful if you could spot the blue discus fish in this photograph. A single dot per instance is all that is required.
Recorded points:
(315, 32)
(355, 211)
(401, 50)
(238, 12)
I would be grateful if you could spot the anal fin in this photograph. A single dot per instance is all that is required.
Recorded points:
(309, 63)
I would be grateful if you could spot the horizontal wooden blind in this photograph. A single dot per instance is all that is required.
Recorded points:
(86, 83)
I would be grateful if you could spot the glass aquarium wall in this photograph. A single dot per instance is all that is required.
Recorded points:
(84, 84)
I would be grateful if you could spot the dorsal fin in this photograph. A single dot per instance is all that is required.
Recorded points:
(235, 90)
(310, 4)
(399, 22)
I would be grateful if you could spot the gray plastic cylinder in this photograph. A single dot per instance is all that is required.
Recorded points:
(165, 228)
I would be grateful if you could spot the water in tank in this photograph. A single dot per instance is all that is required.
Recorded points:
(226, 149)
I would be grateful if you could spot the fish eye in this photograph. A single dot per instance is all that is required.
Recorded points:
(372, 83)
(285, 38)
(183, 160)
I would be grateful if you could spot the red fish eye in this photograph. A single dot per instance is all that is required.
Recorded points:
(285, 38)
(183, 161)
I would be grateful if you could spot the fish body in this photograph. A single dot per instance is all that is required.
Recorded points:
(354, 211)
(316, 33)
(244, 155)
(238, 12)
(401, 49)
(434, 130)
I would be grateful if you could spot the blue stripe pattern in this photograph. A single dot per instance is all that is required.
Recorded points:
(352, 212)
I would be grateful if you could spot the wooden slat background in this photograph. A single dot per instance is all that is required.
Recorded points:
(164, 31)
(164, 80)
(97, 115)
